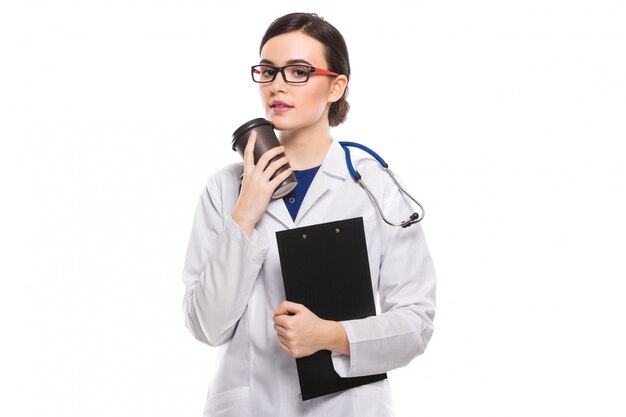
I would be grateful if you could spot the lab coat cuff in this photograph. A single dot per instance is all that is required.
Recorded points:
(344, 363)
(257, 245)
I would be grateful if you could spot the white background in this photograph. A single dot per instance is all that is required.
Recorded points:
(504, 118)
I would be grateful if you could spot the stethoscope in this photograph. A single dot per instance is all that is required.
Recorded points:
(414, 218)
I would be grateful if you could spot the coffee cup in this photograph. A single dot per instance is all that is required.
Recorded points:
(266, 139)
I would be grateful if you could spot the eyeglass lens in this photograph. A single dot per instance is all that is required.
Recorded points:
(293, 73)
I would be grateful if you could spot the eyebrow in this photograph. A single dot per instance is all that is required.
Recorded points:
(290, 62)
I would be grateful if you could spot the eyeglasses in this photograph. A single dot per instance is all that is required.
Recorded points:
(291, 73)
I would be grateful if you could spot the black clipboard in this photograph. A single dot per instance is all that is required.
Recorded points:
(326, 268)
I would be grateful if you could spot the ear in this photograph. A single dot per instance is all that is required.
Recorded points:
(337, 88)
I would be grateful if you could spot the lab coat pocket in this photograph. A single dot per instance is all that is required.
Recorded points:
(234, 402)
(373, 400)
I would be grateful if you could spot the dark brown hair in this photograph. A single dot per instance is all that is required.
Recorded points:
(335, 51)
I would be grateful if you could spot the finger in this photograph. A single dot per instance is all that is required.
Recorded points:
(248, 152)
(281, 177)
(282, 320)
(284, 347)
(275, 166)
(280, 332)
(267, 157)
(280, 309)
(291, 307)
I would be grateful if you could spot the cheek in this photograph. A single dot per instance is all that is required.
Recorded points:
(316, 100)
(265, 94)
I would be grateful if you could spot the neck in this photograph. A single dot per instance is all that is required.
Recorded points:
(306, 147)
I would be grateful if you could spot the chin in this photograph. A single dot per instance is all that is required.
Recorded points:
(288, 123)
(282, 125)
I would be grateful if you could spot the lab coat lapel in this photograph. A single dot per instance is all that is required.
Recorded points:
(332, 172)
(279, 211)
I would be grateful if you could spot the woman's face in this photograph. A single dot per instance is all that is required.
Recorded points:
(310, 100)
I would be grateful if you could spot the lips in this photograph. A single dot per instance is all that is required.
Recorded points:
(279, 104)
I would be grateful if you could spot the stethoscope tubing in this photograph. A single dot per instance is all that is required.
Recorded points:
(414, 218)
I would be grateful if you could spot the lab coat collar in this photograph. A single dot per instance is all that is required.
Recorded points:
(335, 161)
(333, 172)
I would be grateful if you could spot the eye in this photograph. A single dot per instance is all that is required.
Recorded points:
(267, 71)
(299, 71)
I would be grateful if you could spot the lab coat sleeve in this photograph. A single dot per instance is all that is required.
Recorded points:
(221, 266)
(407, 297)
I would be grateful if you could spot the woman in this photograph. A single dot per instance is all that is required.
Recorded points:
(234, 290)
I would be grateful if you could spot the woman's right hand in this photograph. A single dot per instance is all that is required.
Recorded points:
(256, 188)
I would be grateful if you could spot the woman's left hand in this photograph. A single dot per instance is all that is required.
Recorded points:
(303, 333)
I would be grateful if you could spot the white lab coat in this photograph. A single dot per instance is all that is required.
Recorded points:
(233, 282)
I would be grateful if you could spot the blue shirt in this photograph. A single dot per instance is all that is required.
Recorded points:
(293, 200)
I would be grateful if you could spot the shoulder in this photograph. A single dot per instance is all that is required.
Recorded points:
(365, 163)
(377, 178)
(373, 174)
(222, 186)
(225, 177)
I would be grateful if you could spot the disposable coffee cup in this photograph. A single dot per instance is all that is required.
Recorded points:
(266, 139)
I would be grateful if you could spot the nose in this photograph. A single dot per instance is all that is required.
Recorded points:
(278, 83)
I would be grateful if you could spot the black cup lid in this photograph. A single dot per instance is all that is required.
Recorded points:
(247, 126)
